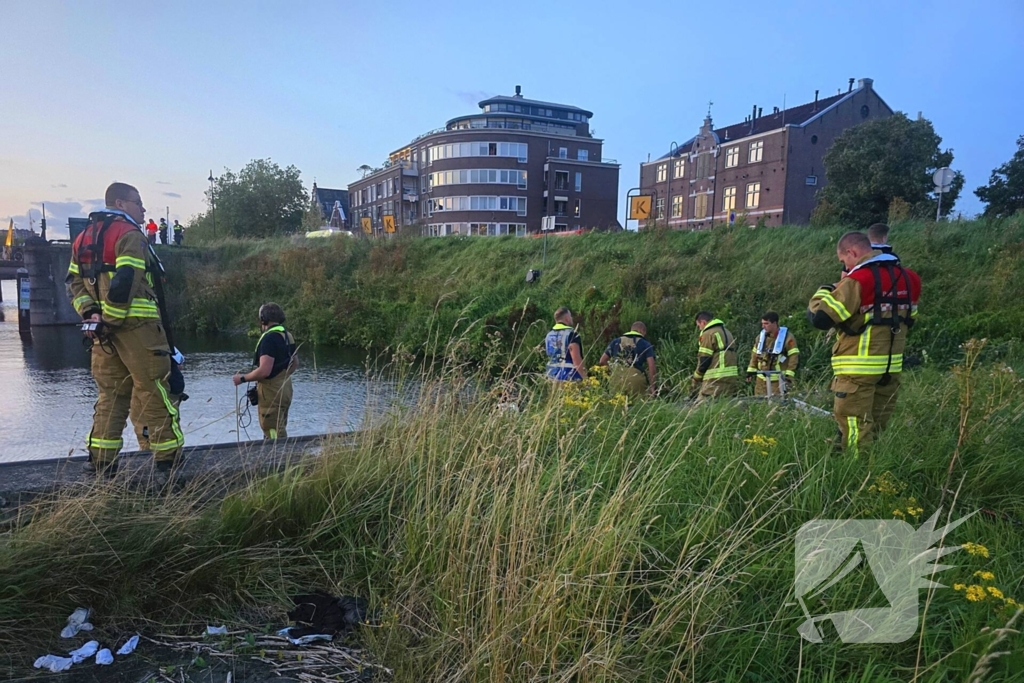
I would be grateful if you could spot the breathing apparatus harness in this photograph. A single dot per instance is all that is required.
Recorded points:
(883, 299)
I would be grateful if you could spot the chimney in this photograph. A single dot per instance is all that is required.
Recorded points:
(920, 115)
(851, 86)
(519, 91)
(865, 83)
(815, 101)
(759, 110)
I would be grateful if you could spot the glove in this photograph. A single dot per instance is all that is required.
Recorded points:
(751, 376)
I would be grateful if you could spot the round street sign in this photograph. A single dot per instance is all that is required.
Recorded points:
(943, 178)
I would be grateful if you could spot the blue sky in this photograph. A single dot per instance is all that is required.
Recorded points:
(160, 94)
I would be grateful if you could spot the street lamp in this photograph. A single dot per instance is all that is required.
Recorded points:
(213, 204)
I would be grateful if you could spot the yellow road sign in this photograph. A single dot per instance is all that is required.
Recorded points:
(367, 224)
(640, 207)
(389, 223)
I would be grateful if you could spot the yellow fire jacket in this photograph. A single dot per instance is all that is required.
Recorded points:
(716, 355)
(119, 285)
(764, 358)
(870, 342)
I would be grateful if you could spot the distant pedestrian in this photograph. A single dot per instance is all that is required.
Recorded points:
(879, 236)
(151, 230)
(163, 231)
(178, 233)
(631, 358)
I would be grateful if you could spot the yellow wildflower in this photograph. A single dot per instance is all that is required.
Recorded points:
(975, 549)
(985, 576)
(975, 593)
(995, 592)
(958, 586)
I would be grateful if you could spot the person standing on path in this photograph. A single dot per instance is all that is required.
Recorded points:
(110, 282)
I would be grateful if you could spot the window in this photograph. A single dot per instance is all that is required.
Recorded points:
(560, 208)
(582, 155)
(576, 208)
(662, 172)
(579, 181)
(680, 168)
(516, 150)
(563, 153)
(811, 180)
(756, 151)
(729, 199)
(702, 170)
(753, 195)
(732, 157)
(865, 111)
(700, 206)
(677, 206)
(814, 139)
(562, 180)
(659, 209)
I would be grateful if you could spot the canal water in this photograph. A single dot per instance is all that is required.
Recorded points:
(47, 392)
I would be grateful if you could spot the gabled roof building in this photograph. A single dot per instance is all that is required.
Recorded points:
(765, 169)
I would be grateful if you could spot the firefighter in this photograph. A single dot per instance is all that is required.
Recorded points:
(111, 284)
(274, 363)
(872, 308)
(178, 232)
(775, 350)
(564, 349)
(631, 356)
(163, 231)
(717, 371)
(879, 236)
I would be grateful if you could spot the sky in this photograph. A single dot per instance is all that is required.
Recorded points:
(159, 94)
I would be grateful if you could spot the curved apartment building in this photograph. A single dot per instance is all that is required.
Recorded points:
(496, 172)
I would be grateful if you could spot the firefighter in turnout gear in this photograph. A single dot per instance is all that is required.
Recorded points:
(717, 372)
(631, 357)
(873, 307)
(564, 349)
(274, 362)
(775, 350)
(111, 285)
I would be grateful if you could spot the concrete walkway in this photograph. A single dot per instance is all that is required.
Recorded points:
(223, 463)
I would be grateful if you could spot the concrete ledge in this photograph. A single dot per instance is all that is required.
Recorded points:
(221, 463)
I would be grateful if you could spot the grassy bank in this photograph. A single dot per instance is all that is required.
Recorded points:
(575, 540)
(408, 293)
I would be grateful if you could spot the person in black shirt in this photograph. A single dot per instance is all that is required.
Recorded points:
(633, 370)
(274, 363)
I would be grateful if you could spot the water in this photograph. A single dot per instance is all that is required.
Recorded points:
(47, 392)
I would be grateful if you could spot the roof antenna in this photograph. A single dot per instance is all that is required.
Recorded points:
(710, 103)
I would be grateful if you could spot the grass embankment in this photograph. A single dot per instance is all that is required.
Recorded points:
(576, 540)
(407, 293)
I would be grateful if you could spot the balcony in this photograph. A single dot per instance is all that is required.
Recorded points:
(410, 197)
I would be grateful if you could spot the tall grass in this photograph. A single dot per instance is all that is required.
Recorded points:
(554, 542)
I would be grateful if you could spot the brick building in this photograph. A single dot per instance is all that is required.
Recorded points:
(333, 205)
(769, 167)
(497, 172)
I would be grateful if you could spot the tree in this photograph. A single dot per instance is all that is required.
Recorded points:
(313, 217)
(1004, 193)
(260, 201)
(870, 165)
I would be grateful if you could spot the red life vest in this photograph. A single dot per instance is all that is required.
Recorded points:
(94, 248)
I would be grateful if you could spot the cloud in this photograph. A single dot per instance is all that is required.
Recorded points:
(172, 194)
(163, 182)
(57, 214)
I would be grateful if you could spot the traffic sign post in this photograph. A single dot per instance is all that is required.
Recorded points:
(547, 224)
(367, 225)
(943, 179)
(638, 207)
(389, 224)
